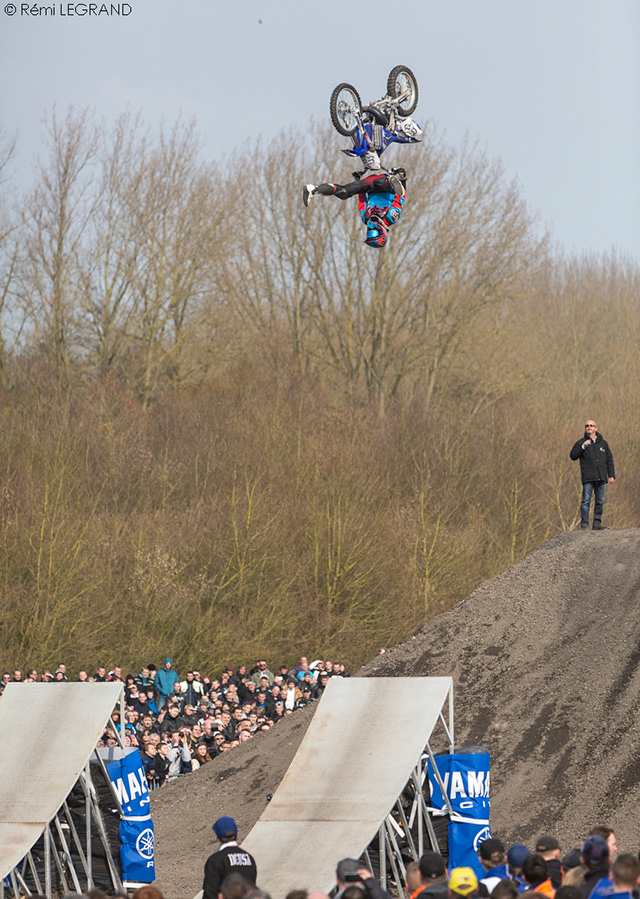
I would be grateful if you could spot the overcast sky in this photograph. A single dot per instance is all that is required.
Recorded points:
(550, 86)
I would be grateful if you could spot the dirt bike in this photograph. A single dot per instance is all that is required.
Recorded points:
(381, 122)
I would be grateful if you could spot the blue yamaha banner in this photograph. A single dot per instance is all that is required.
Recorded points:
(465, 777)
(137, 836)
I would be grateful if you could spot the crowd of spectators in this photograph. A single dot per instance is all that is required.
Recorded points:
(180, 724)
(592, 869)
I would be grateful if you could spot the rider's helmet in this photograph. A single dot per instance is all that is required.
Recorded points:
(376, 231)
(410, 129)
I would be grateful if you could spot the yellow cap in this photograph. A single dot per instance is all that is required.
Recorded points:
(463, 881)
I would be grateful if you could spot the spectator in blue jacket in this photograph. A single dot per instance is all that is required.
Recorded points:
(165, 680)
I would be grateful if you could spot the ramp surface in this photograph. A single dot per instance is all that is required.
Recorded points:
(36, 775)
(356, 757)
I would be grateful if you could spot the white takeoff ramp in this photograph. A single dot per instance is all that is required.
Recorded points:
(364, 742)
(47, 733)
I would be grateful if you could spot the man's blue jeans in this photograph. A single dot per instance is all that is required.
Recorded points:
(597, 487)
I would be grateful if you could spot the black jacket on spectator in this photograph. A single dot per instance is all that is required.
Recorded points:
(596, 461)
(556, 872)
(230, 859)
(169, 723)
(591, 878)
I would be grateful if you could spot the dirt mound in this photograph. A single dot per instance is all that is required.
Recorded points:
(545, 666)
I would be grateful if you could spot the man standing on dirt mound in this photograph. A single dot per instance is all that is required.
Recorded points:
(596, 469)
(229, 859)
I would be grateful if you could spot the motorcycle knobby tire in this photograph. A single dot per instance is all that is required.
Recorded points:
(409, 105)
(341, 123)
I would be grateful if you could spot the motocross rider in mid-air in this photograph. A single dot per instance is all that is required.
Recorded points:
(381, 192)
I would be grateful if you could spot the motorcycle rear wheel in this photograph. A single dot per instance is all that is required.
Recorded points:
(400, 79)
(345, 107)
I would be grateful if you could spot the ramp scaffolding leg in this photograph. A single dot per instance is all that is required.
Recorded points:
(405, 836)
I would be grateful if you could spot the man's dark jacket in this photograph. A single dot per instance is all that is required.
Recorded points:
(556, 872)
(596, 461)
(591, 880)
(229, 859)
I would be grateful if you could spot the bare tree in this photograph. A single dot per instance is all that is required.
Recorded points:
(9, 242)
(57, 212)
(111, 246)
(176, 208)
(271, 265)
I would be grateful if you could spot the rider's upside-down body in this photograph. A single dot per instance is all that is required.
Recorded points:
(381, 196)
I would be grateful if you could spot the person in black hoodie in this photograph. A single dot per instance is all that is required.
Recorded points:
(596, 470)
(549, 848)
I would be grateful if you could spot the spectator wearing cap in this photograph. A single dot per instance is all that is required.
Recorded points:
(595, 859)
(229, 859)
(536, 876)
(515, 857)
(494, 861)
(549, 848)
(572, 858)
(462, 882)
(305, 699)
(346, 874)
(608, 835)
(353, 878)
(433, 873)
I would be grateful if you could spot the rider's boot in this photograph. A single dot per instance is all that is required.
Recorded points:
(396, 185)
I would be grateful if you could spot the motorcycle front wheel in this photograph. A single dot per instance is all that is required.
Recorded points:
(402, 80)
(345, 107)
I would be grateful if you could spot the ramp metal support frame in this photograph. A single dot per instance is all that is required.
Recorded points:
(396, 840)
(58, 856)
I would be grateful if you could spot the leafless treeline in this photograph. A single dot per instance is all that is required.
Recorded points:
(131, 254)
(222, 409)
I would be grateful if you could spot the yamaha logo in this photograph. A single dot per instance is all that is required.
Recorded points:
(481, 836)
(145, 843)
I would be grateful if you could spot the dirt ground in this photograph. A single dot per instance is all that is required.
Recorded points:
(545, 666)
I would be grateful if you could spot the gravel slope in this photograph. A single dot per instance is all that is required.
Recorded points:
(545, 665)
